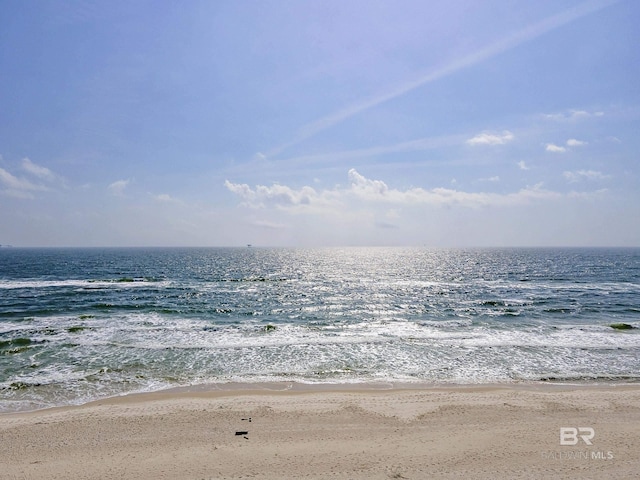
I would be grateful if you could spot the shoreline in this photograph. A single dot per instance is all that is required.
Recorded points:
(275, 387)
(234, 388)
(481, 431)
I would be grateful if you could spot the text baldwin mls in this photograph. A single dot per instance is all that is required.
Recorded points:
(571, 436)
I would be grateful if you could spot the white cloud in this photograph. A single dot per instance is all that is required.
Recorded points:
(163, 197)
(572, 142)
(523, 165)
(584, 175)
(572, 115)
(552, 147)
(491, 138)
(37, 170)
(117, 187)
(18, 187)
(362, 189)
(166, 198)
(15, 183)
(277, 195)
(362, 186)
(450, 197)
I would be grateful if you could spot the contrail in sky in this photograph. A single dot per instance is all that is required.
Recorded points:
(528, 33)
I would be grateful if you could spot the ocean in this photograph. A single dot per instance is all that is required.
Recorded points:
(82, 324)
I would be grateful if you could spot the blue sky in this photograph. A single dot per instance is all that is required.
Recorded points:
(439, 123)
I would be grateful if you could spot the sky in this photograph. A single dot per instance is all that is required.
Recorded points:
(320, 123)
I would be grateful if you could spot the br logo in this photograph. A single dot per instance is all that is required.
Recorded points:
(571, 435)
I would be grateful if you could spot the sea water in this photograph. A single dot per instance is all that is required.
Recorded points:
(83, 324)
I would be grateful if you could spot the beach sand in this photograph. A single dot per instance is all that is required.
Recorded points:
(374, 433)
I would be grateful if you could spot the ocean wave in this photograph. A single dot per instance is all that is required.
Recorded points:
(91, 324)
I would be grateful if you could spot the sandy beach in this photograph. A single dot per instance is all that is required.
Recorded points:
(276, 431)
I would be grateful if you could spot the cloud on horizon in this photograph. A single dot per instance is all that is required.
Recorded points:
(370, 191)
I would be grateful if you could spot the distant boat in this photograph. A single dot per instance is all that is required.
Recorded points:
(248, 245)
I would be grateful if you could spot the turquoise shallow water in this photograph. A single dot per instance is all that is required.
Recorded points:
(81, 324)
